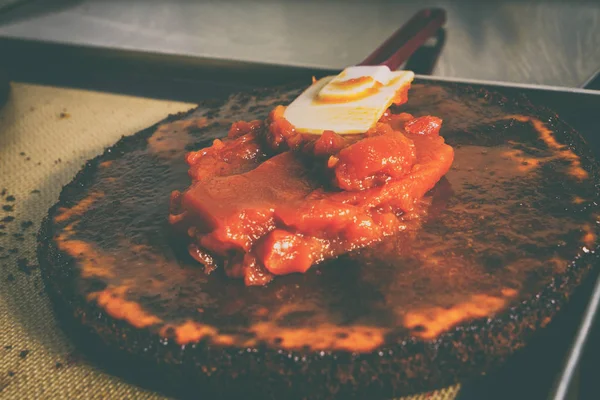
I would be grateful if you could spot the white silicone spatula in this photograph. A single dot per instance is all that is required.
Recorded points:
(353, 101)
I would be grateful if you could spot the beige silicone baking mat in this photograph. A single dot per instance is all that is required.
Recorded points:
(46, 134)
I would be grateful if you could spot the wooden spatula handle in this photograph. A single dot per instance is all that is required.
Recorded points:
(406, 40)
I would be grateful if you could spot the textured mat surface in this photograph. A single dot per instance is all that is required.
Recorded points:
(46, 134)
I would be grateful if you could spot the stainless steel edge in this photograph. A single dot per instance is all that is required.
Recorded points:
(561, 388)
(509, 84)
(591, 79)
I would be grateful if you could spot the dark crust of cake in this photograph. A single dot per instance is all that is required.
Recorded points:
(466, 351)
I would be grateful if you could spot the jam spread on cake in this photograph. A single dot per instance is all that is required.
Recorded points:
(267, 200)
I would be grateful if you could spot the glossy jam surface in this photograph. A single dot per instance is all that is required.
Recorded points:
(516, 208)
(268, 201)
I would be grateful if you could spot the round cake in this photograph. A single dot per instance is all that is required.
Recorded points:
(510, 233)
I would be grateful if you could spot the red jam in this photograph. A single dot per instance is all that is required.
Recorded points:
(269, 201)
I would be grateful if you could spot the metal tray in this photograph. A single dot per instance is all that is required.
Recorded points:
(545, 369)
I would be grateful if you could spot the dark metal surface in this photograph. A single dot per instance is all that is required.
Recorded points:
(593, 82)
(143, 74)
(4, 87)
(561, 388)
(552, 42)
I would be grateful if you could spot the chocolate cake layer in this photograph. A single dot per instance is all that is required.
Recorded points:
(510, 233)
